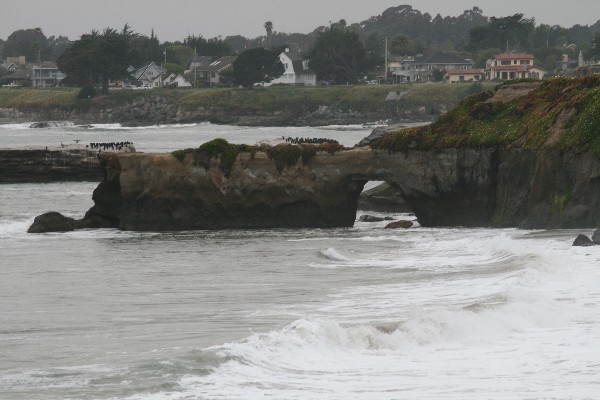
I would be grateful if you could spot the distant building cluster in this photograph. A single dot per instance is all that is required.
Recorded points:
(207, 71)
(505, 66)
(37, 75)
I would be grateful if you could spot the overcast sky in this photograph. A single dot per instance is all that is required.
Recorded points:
(175, 19)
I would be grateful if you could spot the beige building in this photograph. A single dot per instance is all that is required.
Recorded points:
(464, 75)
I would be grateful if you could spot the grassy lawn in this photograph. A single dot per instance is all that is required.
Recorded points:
(274, 98)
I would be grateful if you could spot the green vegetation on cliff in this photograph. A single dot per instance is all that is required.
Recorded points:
(562, 113)
(284, 155)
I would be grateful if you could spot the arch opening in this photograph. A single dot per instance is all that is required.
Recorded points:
(382, 201)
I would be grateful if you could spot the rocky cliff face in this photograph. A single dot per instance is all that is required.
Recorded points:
(452, 187)
(153, 110)
(49, 165)
(528, 157)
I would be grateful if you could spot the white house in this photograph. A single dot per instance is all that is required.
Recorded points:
(176, 81)
(297, 71)
(464, 75)
(149, 75)
(46, 74)
(513, 66)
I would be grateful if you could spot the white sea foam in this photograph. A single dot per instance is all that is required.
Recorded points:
(12, 228)
(333, 254)
(487, 336)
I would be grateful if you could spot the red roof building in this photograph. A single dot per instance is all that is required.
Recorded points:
(513, 66)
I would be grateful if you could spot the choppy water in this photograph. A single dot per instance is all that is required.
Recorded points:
(168, 137)
(353, 313)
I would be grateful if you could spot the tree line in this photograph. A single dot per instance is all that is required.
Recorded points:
(338, 53)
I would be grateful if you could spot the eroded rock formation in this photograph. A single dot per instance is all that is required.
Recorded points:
(530, 159)
(452, 187)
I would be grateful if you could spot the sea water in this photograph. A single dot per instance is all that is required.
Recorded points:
(348, 313)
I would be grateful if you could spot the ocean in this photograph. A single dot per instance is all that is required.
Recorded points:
(348, 313)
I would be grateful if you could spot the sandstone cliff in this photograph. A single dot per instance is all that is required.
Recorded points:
(453, 187)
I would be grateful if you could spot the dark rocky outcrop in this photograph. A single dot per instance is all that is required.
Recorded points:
(582, 240)
(370, 218)
(23, 165)
(403, 224)
(531, 160)
(596, 236)
(451, 187)
(52, 222)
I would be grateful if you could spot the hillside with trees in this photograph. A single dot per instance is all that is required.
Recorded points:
(409, 32)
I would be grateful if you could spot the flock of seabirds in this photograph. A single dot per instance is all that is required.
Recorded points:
(109, 145)
(119, 146)
(302, 140)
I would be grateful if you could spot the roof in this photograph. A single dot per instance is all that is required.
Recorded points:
(139, 72)
(200, 61)
(295, 55)
(514, 56)
(222, 63)
(19, 74)
(441, 58)
(299, 68)
(464, 71)
(516, 67)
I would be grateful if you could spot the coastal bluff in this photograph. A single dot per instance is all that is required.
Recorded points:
(530, 160)
(453, 187)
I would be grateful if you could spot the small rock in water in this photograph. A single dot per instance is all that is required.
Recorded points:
(403, 224)
(369, 218)
(52, 222)
(583, 240)
(596, 236)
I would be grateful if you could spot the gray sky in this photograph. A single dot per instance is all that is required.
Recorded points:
(175, 19)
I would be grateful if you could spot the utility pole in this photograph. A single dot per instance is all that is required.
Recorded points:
(194, 67)
(386, 60)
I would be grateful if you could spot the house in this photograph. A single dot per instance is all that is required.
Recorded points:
(20, 77)
(218, 66)
(46, 74)
(566, 66)
(176, 81)
(297, 70)
(422, 68)
(198, 62)
(513, 66)
(207, 71)
(149, 75)
(464, 75)
(400, 69)
(12, 67)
